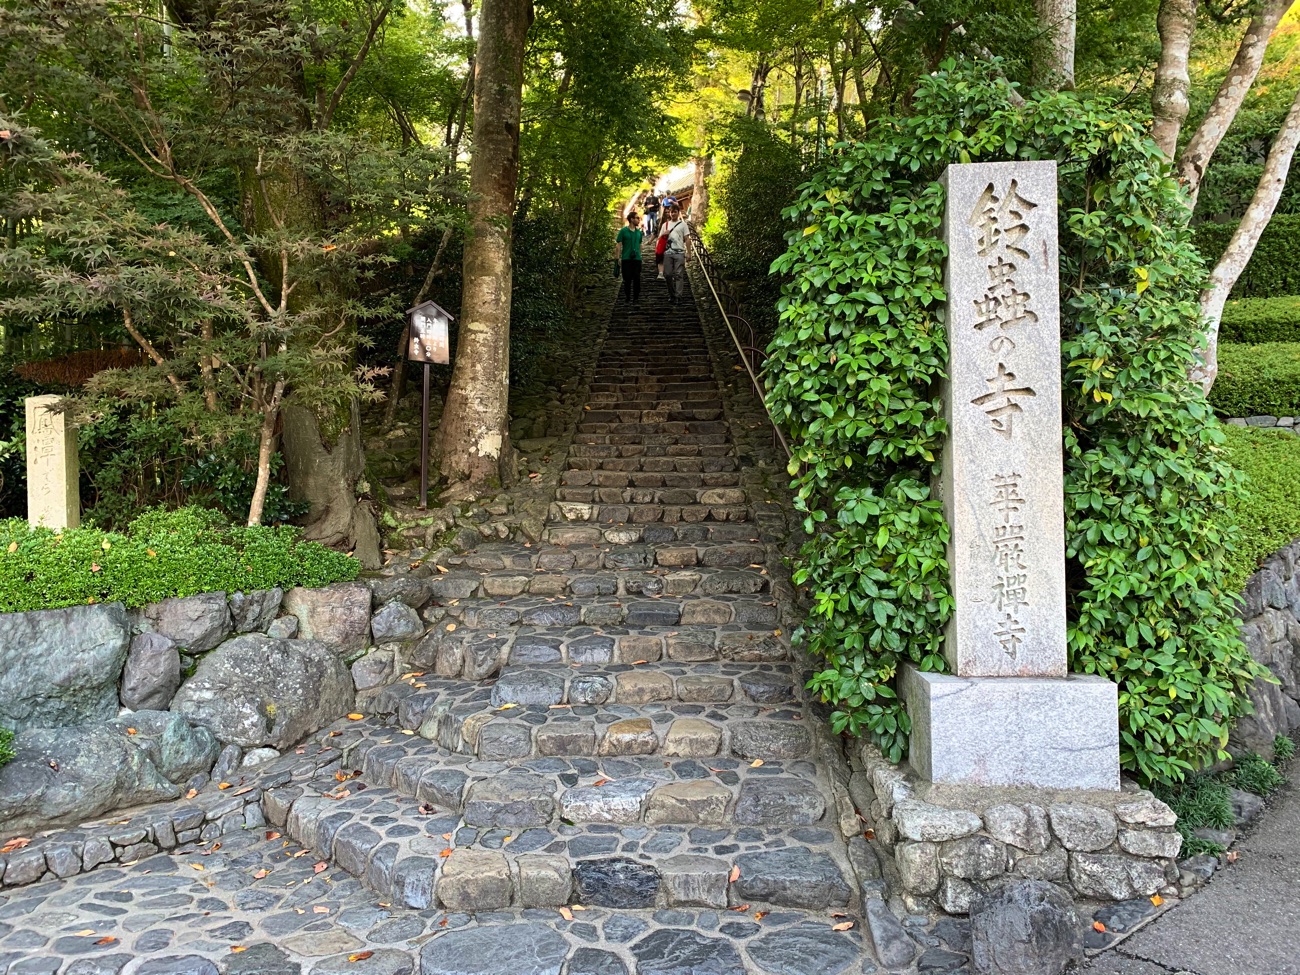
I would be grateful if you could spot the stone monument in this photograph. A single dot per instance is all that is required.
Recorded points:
(1009, 714)
(53, 495)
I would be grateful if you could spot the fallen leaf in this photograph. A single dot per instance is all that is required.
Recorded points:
(1098, 926)
(1233, 856)
(742, 909)
(320, 909)
(450, 627)
(756, 763)
(759, 915)
(236, 949)
(838, 914)
(507, 706)
(132, 731)
(355, 716)
(734, 875)
(842, 926)
(85, 933)
(1157, 900)
(13, 546)
(17, 843)
(637, 663)
(261, 873)
(566, 914)
(360, 956)
(322, 865)
(446, 836)
(599, 782)
(446, 853)
(198, 866)
(191, 794)
(442, 923)
(108, 939)
(441, 568)
(869, 834)
(407, 731)
(223, 785)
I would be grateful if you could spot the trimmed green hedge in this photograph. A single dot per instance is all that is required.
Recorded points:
(1255, 320)
(1257, 380)
(1273, 268)
(161, 554)
(1268, 511)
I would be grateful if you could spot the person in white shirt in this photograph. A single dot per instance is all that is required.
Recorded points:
(674, 232)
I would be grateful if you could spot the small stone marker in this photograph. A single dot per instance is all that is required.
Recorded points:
(53, 494)
(1009, 714)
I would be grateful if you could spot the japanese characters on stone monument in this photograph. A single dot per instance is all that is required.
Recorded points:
(1003, 486)
(53, 495)
(1009, 714)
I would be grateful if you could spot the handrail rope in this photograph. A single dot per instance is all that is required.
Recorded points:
(705, 261)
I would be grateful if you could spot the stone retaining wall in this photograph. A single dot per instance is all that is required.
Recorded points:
(1270, 613)
(1267, 422)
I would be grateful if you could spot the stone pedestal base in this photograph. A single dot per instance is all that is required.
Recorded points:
(1041, 732)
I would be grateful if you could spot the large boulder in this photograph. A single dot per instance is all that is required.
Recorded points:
(196, 623)
(152, 674)
(338, 615)
(177, 749)
(60, 667)
(64, 776)
(1025, 927)
(256, 692)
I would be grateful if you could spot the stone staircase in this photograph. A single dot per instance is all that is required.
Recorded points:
(612, 717)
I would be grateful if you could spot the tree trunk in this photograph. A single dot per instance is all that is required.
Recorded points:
(326, 477)
(473, 438)
(1054, 64)
(1196, 155)
(1242, 245)
(1176, 22)
(700, 192)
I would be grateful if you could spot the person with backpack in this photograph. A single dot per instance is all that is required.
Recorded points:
(651, 205)
(628, 243)
(673, 235)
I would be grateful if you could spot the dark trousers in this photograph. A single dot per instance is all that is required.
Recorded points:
(632, 280)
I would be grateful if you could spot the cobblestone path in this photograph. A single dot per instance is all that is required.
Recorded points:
(600, 762)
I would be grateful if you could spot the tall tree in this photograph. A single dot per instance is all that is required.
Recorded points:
(1176, 22)
(1054, 66)
(473, 439)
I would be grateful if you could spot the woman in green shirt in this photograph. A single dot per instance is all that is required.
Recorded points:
(628, 243)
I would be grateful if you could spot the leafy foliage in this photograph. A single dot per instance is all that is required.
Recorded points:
(1255, 320)
(1201, 802)
(161, 554)
(1258, 380)
(1273, 269)
(1283, 747)
(856, 374)
(7, 753)
(1266, 509)
(1255, 774)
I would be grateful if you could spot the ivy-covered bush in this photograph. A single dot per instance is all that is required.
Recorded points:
(856, 374)
(1273, 268)
(1254, 320)
(161, 554)
(1257, 380)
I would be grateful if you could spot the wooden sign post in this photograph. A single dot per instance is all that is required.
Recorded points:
(427, 326)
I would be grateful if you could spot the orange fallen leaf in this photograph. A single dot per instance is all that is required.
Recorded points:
(759, 915)
(132, 731)
(446, 836)
(451, 627)
(446, 853)
(320, 909)
(566, 914)
(322, 865)
(191, 794)
(1098, 926)
(360, 956)
(198, 866)
(599, 782)
(1157, 900)
(842, 926)
(756, 763)
(236, 949)
(734, 875)
(742, 909)
(224, 785)
(442, 923)
(17, 843)
(261, 873)
(108, 939)
(355, 716)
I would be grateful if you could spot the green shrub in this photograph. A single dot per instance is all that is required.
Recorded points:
(1257, 380)
(161, 554)
(1266, 510)
(1283, 748)
(1255, 774)
(1201, 802)
(1255, 320)
(856, 375)
(7, 752)
(1273, 268)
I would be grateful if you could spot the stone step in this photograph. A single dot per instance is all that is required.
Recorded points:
(652, 427)
(651, 465)
(751, 610)
(585, 477)
(699, 389)
(654, 533)
(632, 583)
(681, 683)
(452, 649)
(720, 450)
(424, 861)
(637, 401)
(554, 558)
(658, 440)
(611, 493)
(554, 790)
(651, 414)
(713, 505)
(460, 717)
